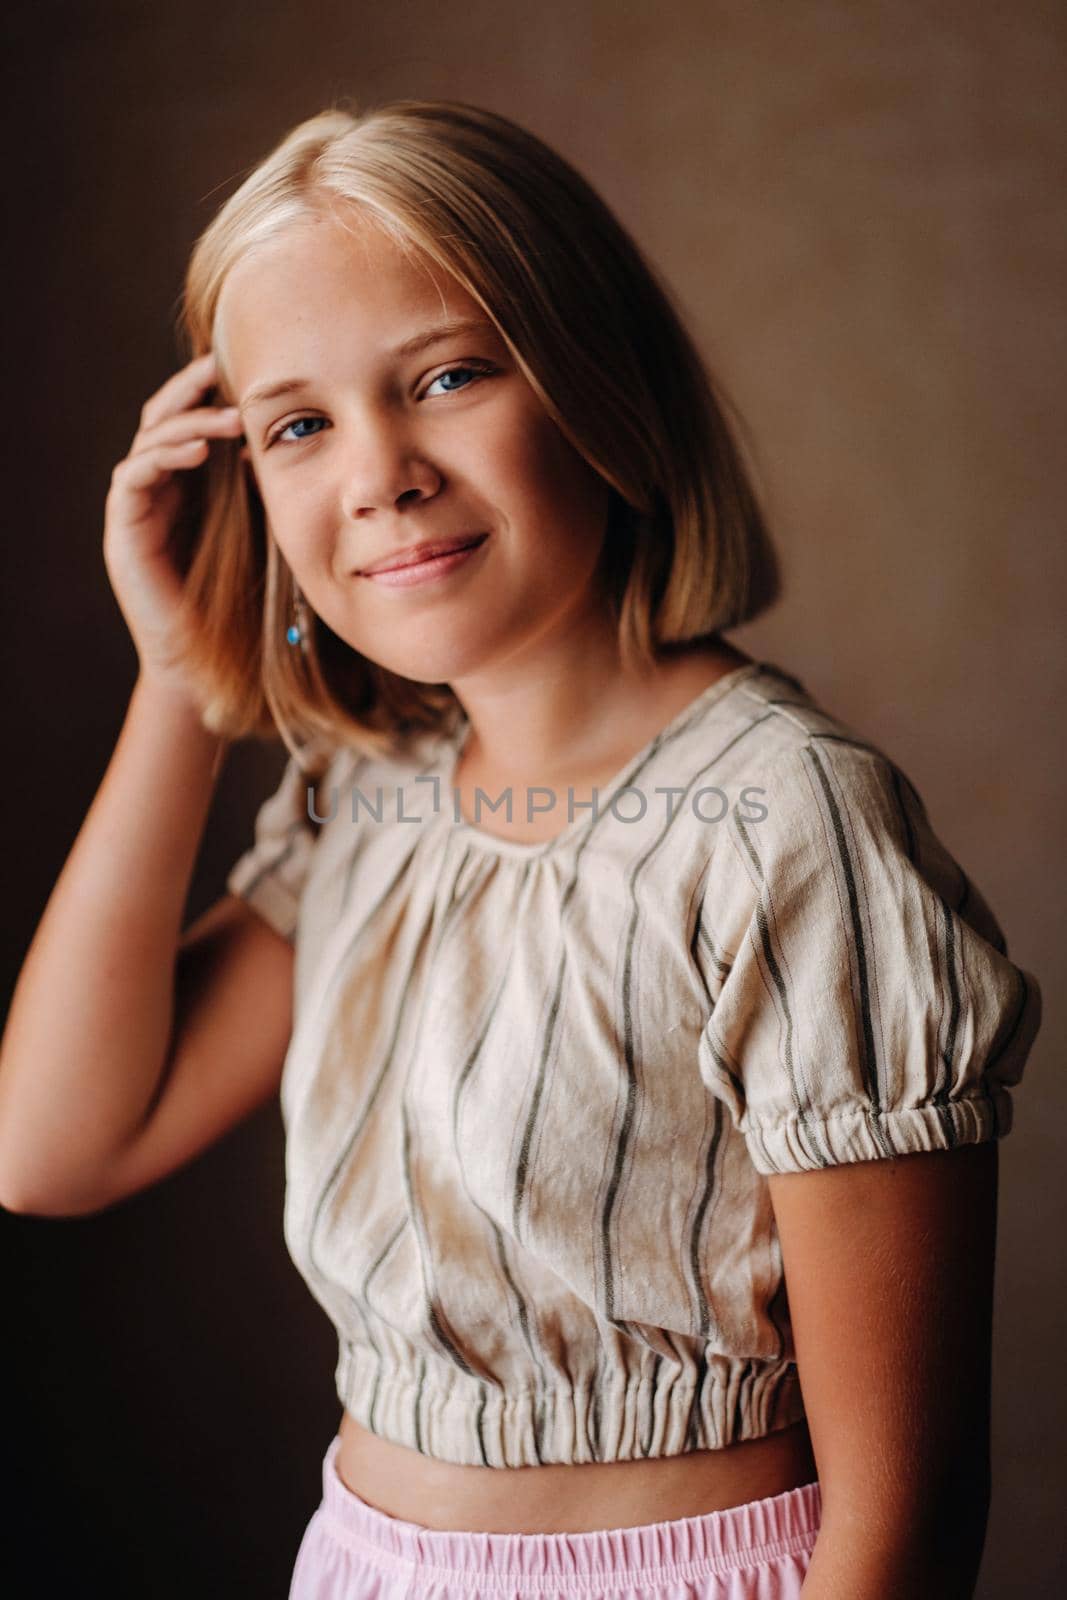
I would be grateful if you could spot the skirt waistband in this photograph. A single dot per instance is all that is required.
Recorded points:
(718, 1541)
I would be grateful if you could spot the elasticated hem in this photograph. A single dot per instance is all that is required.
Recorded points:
(654, 1413)
(684, 1549)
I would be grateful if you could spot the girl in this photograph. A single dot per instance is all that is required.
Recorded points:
(642, 1052)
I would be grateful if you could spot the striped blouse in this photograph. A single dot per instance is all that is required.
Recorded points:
(534, 1091)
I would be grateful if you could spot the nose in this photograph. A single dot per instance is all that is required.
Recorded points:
(383, 470)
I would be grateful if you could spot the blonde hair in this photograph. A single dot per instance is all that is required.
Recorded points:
(593, 330)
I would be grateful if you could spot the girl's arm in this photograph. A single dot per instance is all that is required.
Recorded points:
(111, 1006)
(109, 1003)
(889, 1270)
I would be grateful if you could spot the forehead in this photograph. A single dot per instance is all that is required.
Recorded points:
(322, 284)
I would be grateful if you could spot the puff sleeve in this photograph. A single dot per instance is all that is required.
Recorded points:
(272, 872)
(866, 1005)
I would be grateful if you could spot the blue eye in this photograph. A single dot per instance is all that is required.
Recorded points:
(296, 423)
(477, 369)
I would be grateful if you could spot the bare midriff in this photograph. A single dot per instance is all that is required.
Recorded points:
(560, 1498)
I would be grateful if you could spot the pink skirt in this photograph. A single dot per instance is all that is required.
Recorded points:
(757, 1551)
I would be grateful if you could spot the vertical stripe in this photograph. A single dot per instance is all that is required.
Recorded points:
(696, 1267)
(816, 1151)
(650, 1405)
(868, 1064)
(479, 1421)
(694, 1429)
(593, 1413)
(416, 1419)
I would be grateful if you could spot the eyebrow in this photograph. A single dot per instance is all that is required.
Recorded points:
(417, 342)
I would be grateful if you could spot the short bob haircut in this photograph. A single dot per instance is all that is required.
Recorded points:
(587, 321)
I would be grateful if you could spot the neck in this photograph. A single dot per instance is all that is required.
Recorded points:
(539, 722)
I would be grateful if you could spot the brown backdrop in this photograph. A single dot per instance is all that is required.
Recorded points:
(860, 206)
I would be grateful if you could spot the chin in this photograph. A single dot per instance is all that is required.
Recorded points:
(420, 666)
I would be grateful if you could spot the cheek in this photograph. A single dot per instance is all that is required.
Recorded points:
(290, 528)
(294, 510)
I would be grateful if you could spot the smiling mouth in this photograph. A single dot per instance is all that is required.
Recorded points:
(424, 558)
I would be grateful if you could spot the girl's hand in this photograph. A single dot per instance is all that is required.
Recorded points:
(142, 507)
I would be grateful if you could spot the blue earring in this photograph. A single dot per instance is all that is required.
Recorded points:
(297, 631)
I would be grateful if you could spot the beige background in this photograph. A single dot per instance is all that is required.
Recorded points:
(860, 207)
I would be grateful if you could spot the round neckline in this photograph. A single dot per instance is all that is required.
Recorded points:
(711, 692)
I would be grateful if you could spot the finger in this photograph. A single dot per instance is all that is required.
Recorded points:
(220, 422)
(180, 390)
(149, 467)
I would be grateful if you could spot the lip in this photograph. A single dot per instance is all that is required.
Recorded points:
(419, 554)
(427, 571)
